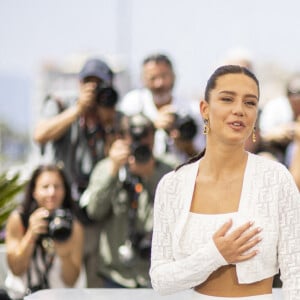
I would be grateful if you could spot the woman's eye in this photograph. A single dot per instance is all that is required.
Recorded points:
(251, 103)
(225, 99)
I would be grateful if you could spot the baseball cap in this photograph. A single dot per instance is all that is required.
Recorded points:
(98, 68)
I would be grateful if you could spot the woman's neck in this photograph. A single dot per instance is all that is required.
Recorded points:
(223, 162)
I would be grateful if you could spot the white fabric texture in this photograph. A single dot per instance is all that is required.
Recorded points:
(193, 238)
(269, 197)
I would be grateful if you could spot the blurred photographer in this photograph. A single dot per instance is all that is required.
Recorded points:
(77, 133)
(157, 100)
(182, 133)
(44, 240)
(279, 119)
(120, 194)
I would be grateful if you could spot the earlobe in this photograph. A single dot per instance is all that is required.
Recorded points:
(204, 108)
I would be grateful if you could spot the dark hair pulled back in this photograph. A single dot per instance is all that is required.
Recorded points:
(211, 84)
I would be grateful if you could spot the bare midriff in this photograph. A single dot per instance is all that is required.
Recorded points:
(223, 283)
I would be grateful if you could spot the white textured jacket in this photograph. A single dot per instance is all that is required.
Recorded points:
(269, 197)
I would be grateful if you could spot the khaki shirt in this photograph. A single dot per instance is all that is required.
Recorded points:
(109, 202)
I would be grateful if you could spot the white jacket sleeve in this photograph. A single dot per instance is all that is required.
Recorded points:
(169, 275)
(289, 238)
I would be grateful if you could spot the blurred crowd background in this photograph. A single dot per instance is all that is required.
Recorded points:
(44, 43)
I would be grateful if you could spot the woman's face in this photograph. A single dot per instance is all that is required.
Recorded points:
(49, 190)
(232, 108)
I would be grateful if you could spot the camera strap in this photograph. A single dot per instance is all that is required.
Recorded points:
(87, 147)
(42, 275)
(89, 144)
(134, 190)
(46, 258)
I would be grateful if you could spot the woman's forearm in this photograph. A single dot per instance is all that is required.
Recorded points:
(70, 271)
(19, 256)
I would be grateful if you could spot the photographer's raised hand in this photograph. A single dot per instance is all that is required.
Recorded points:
(238, 245)
(165, 117)
(86, 98)
(53, 128)
(118, 154)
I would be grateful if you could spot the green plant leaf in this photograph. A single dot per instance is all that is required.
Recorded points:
(10, 187)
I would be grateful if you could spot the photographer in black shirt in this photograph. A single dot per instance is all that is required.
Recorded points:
(77, 133)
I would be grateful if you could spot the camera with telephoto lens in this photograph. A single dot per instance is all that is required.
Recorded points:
(186, 126)
(106, 95)
(139, 128)
(60, 224)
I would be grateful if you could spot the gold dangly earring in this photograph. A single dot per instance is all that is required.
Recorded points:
(206, 127)
(254, 135)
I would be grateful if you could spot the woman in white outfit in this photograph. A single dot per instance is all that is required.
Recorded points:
(225, 222)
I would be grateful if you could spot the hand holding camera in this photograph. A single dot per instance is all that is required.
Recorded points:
(105, 95)
(96, 93)
(60, 223)
(118, 153)
(178, 125)
(165, 117)
(38, 223)
(56, 225)
(86, 99)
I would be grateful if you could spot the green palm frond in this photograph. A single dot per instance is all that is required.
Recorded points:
(10, 187)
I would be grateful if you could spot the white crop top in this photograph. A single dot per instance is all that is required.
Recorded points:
(199, 229)
(183, 252)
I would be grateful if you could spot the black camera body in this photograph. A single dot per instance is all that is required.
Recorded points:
(138, 130)
(143, 245)
(186, 126)
(106, 95)
(60, 224)
(138, 246)
(141, 153)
